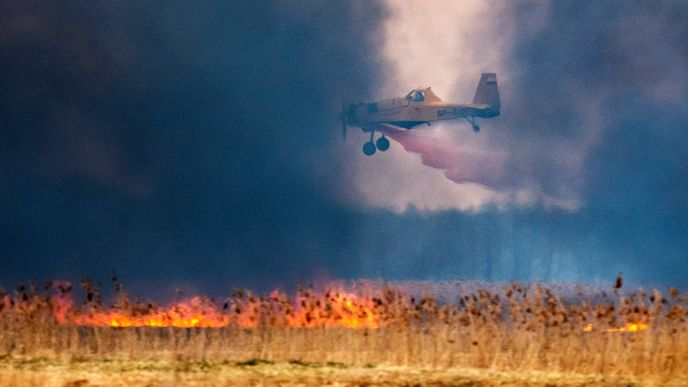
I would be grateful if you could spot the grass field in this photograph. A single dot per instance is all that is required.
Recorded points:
(512, 334)
(44, 372)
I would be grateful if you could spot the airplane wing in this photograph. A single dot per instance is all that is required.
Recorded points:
(383, 126)
(386, 126)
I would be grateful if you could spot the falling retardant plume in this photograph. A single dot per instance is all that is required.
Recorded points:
(489, 168)
(460, 167)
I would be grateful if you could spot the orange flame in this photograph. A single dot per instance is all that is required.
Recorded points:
(308, 309)
(305, 311)
(195, 312)
(630, 327)
(337, 309)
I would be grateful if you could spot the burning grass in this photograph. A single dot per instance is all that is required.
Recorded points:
(509, 328)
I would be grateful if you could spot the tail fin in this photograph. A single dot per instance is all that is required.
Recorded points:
(488, 93)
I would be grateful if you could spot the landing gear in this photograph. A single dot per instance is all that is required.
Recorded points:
(382, 143)
(474, 123)
(369, 148)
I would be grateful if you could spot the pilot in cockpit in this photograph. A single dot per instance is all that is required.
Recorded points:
(415, 96)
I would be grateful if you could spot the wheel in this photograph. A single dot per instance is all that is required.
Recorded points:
(476, 128)
(382, 143)
(369, 148)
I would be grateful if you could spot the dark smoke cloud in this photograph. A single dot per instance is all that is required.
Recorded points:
(175, 143)
(585, 66)
(631, 61)
(192, 144)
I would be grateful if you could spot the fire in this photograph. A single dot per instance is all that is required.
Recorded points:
(195, 312)
(360, 306)
(335, 309)
(306, 310)
(630, 327)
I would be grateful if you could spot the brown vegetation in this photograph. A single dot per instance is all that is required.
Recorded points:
(517, 328)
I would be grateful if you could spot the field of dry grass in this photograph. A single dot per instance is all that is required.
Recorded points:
(514, 335)
(44, 372)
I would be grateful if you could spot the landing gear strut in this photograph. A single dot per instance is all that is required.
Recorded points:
(369, 147)
(474, 123)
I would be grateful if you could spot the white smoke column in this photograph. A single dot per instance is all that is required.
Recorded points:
(430, 43)
(447, 45)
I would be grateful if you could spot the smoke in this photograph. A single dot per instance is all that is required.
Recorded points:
(439, 44)
(578, 179)
(177, 143)
(199, 143)
(512, 162)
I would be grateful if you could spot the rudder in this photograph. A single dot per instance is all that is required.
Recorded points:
(487, 93)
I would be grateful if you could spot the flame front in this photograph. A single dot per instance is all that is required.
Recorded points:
(305, 311)
(195, 312)
(630, 327)
(368, 306)
(339, 309)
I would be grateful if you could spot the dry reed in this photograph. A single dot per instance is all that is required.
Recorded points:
(515, 328)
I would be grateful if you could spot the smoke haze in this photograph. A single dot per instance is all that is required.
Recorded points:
(588, 139)
(198, 145)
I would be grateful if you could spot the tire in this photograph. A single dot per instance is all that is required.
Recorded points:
(369, 148)
(382, 144)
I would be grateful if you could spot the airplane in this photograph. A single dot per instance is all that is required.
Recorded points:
(420, 106)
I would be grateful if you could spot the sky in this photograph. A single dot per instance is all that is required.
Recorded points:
(197, 145)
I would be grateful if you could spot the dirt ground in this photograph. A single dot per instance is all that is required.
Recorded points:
(44, 372)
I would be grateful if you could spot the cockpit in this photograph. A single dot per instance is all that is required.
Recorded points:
(415, 96)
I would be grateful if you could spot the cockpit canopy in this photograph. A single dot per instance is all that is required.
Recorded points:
(415, 96)
(423, 95)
